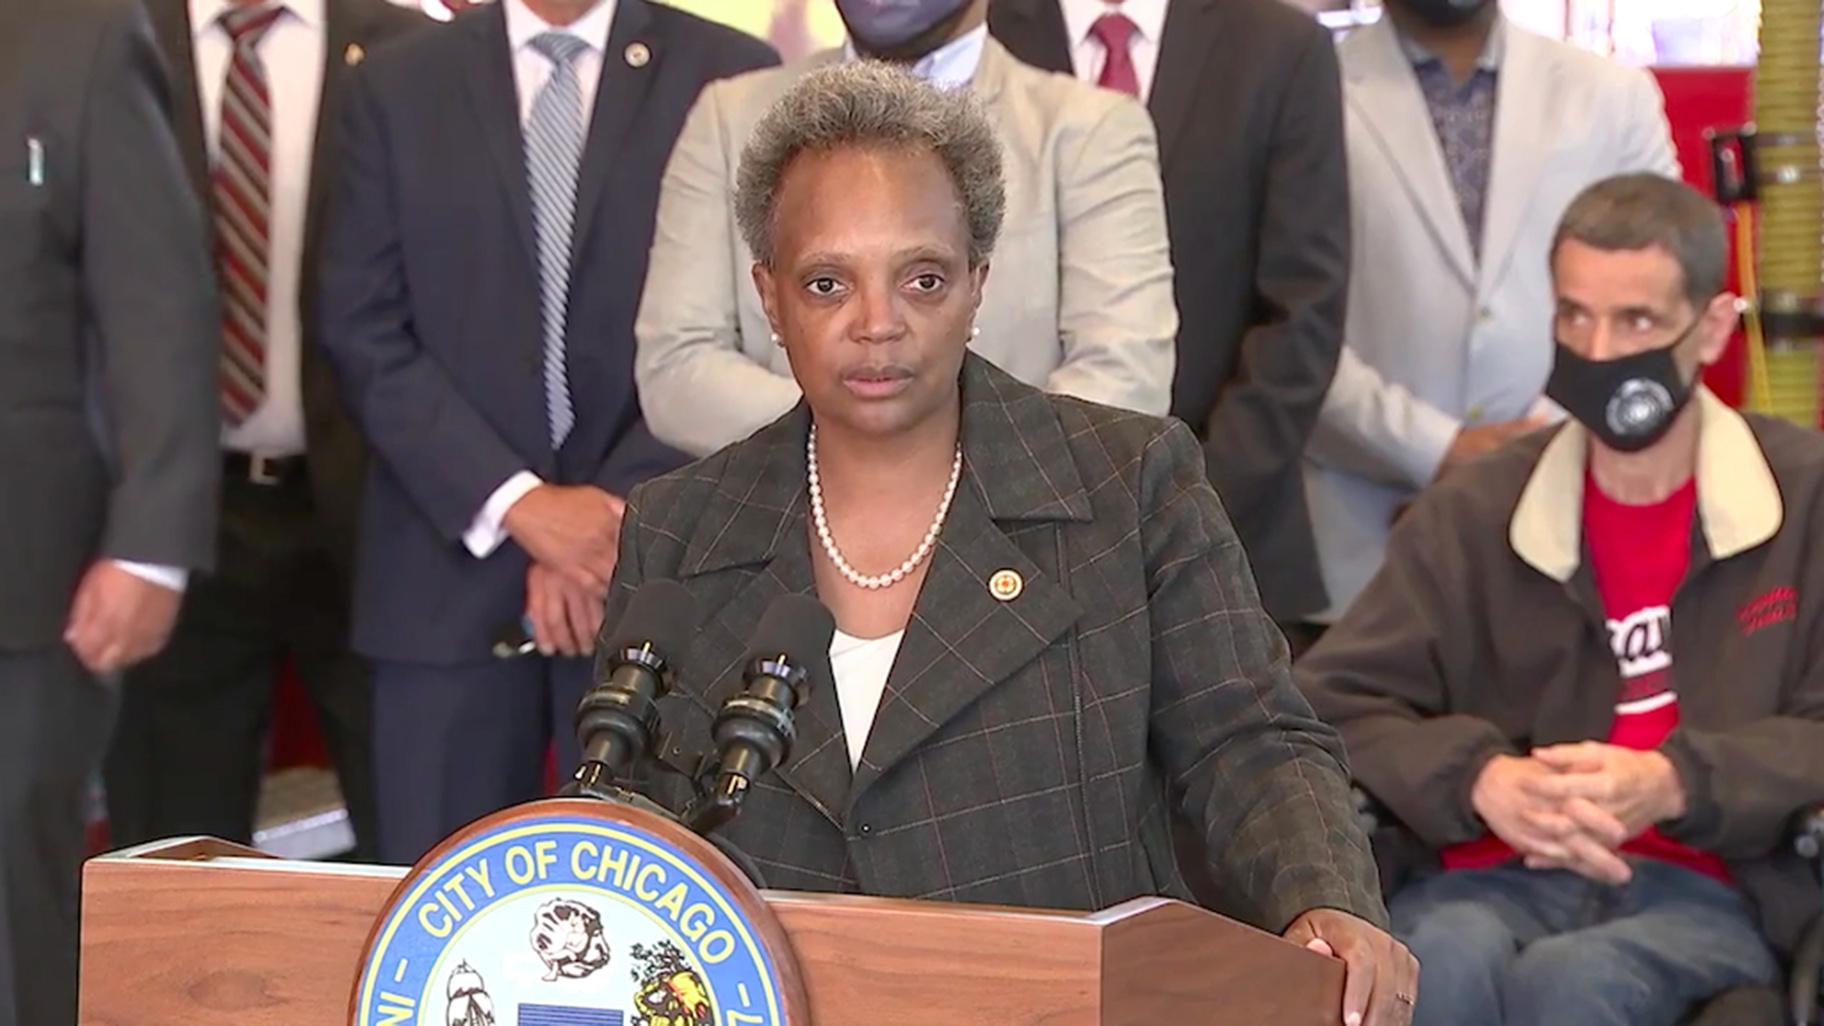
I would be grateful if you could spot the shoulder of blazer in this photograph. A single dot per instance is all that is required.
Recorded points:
(721, 43)
(377, 20)
(1053, 98)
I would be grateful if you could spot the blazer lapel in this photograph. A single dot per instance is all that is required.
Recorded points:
(754, 525)
(495, 97)
(1190, 30)
(1523, 130)
(343, 27)
(1387, 96)
(618, 97)
(962, 641)
(171, 24)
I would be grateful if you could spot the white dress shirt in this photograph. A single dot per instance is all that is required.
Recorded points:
(292, 51)
(861, 667)
(531, 70)
(950, 66)
(1089, 56)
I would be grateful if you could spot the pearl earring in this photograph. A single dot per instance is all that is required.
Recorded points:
(777, 340)
(975, 332)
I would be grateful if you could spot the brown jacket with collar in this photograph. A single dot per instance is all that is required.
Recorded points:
(1484, 634)
(1026, 752)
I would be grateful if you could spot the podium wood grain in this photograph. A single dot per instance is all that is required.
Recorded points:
(175, 935)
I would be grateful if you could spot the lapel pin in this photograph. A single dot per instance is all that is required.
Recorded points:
(1006, 585)
(353, 55)
(638, 55)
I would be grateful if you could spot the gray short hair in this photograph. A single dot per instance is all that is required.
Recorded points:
(868, 104)
(1643, 210)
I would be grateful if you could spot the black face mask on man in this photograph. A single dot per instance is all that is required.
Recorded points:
(883, 26)
(1443, 13)
(1627, 403)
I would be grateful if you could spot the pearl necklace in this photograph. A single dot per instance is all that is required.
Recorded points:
(905, 569)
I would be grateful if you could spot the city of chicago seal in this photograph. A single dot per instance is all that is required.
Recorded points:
(567, 918)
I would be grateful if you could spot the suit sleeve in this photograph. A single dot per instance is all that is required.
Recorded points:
(1646, 134)
(698, 389)
(1379, 675)
(1263, 418)
(1378, 429)
(444, 452)
(1117, 318)
(1260, 774)
(149, 288)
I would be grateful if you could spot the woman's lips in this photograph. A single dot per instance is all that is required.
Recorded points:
(877, 382)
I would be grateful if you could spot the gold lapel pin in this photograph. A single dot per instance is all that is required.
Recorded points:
(1006, 585)
(638, 55)
(353, 55)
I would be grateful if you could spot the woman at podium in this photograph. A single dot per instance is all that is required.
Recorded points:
(1048, 637)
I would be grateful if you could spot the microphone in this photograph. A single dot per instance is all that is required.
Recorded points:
(789, 654)
(616, 720)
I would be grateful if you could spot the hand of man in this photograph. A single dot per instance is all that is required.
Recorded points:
(118, 618)
(1382, 980)
(1637, 788)
(1509, 798)
(565, 616)
(1475, 442)
(573, 529)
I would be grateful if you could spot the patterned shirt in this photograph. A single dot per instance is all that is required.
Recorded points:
(1464, 115)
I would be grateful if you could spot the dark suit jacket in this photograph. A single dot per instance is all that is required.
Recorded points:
(1025, 752)
(430, 303)
(336, 455)
(107, 315)
(1248, 103)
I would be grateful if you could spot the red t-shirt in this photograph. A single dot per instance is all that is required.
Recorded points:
(1639, 555)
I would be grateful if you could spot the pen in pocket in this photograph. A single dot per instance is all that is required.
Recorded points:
(34, 159)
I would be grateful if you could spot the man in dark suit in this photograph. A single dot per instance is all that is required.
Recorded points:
(1248, 104)
(107, 435)
(480, 280)
(187, 756)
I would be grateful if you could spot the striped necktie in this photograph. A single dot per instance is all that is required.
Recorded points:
(554, 151)
(242, 193)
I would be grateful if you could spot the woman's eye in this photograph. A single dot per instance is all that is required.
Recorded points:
(928, 282)
(823, 286)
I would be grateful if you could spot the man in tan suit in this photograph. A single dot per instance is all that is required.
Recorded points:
(1080, 301)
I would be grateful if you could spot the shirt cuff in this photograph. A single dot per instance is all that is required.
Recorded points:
(486, 533)
(173, 578)
(1430, 435)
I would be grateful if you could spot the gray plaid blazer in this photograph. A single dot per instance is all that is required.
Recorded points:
(1028, 752)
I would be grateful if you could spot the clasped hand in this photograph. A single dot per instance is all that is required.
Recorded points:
(572, 534)
(1573, 806)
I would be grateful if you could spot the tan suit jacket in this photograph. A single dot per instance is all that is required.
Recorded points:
(1079, 296)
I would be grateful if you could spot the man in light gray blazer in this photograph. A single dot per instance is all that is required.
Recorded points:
(1080, 301)
(108, 422)
(1467, 137)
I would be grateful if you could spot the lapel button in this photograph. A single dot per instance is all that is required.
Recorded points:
(1006, 585)
(638, 55)
(353, 55)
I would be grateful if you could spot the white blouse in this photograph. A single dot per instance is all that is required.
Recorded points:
(861, 666)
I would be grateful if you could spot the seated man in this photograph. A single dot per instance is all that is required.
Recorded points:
(1608, 820)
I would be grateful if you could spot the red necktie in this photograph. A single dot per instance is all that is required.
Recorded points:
(242, 190)
(1116, 31)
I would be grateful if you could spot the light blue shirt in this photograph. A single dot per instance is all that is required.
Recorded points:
(951, 66)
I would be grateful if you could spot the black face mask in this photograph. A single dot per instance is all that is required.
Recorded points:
(1443, 13)
(1629, 403)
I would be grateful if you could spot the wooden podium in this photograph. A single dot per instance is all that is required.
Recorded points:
(205, 933)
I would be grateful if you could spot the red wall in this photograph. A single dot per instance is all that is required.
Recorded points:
(1698, 99)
